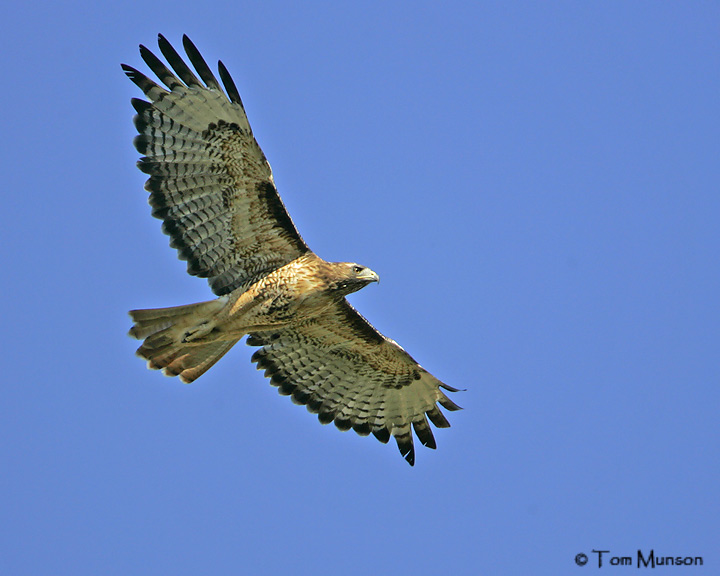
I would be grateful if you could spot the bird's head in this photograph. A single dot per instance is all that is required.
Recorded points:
(351, 277)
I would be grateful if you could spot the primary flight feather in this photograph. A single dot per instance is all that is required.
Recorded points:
(211, 185)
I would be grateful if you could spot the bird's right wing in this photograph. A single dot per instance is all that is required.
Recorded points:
(209, 180)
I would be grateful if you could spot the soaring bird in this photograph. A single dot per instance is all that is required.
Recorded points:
(211, 185)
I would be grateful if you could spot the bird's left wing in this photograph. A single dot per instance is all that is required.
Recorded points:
(345, 371)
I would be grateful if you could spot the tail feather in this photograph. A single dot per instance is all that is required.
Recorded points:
(192, 363)
(154, 320)
(166, 344)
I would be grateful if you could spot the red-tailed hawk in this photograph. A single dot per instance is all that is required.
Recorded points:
(213, 189)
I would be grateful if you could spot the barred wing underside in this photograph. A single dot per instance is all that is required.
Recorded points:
(209, 181)
(345, 371)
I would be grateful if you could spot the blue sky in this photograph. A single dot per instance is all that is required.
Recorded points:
(537, 186)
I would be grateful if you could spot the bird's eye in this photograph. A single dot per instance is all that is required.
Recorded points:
(357, 269)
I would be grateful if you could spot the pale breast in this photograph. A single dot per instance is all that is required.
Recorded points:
(287, 295)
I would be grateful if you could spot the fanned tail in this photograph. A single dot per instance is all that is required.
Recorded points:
(173, 339)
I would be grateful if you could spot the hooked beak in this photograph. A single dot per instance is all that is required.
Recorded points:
(369, 276)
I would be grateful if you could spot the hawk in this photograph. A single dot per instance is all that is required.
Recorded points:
(211, 185)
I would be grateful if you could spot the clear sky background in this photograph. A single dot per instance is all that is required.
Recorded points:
(538, 186)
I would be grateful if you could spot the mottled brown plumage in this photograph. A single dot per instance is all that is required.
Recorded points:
(213, 189)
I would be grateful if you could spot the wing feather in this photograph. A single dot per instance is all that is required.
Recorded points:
(177, 63)
(229, 84)
(149, 88)
(344, 370)
(209, 181)
(200, 65)
(160, 70)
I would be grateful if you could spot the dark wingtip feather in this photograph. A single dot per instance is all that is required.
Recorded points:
(424, 433)
(147, 167)
(229, 84)
(300, 397)
(438, 418)
(141, 142)
(286, 389)
(285, 386)
(254, 340)
(200, 65)
(342, 424)
(362, 429)
(314, 405)
(160, 70)
(142, 81)
(405, 445)
(325, 417)
(133, 73)
(141, 106)
(257, 357)
(451, 389)
(448, 404)
(382, 434)
(177, 63)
